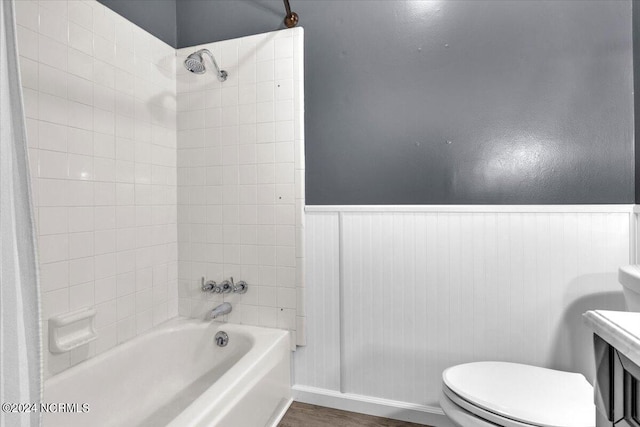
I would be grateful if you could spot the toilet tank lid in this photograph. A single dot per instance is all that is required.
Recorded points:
(533, 395)
(629, 276)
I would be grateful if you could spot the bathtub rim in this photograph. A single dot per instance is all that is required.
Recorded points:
(238, 377)
(171, 325)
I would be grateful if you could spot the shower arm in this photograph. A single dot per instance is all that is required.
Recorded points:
(291, 20)
(213, 60)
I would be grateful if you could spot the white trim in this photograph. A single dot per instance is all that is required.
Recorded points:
(633, 236)
(476, 208)
(634, 229)
(386, 408)
(282, 413)
(341, 308)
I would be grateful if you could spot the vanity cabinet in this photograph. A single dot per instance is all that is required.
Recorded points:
(617, 387)
(616, 345)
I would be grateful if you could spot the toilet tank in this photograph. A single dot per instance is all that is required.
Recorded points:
(629, 278)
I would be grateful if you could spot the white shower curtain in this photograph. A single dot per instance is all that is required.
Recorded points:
(20, 359)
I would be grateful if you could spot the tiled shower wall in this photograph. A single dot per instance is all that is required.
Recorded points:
(240, 178)
(100, 104)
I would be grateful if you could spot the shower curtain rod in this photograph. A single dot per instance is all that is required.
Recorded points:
(291, 20)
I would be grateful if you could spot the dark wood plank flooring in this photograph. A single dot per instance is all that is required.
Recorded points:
(304, 415)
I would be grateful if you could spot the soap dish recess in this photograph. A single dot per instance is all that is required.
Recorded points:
(71, 330)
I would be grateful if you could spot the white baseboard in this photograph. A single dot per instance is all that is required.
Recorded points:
(393, 409)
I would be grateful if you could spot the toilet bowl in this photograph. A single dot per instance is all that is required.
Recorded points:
(486, 394)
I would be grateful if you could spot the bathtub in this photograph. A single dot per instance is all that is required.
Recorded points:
(175, 375)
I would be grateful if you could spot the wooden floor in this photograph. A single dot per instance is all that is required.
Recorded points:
(304, 415)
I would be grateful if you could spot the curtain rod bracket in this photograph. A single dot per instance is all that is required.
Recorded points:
(291, 20)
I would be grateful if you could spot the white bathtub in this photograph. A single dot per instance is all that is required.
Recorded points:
(176, 375)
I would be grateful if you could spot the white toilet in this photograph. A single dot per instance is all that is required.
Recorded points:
(489, 394)
(486, 394)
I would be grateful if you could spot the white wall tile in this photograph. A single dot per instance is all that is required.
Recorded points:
(81, 296)
(52, 164)
(80, 167)
(283, 69)
(81, 245)
(52, 220)
(228, 169)
(81, 270)
(52, 81)
(27, 14)
(53, 248)
(104, 146)
(55, 302)
(80, 141)
(50, 52)
(80, 38)
(80, 64)
(76, 59)
(81, 13)
(52, 109)
(54, 276)
(54, 137)
(53, 23)
(80, 90)
(28, 42)
(29, 73)
(52, 192)
(283, 47)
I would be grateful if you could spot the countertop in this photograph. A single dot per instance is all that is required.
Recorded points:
(621, 329)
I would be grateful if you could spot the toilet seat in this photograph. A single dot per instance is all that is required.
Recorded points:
(463, 413)
(512, 394)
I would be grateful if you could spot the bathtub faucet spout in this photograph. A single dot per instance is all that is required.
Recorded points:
(224, 308)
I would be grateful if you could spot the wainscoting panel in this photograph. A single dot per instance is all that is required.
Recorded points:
(318, 363)
(424, 288)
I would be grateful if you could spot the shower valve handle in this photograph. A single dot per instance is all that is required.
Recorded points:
(241, 287)
(209, 286)
(226, 286)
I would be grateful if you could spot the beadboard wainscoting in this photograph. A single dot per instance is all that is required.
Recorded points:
(396, 294)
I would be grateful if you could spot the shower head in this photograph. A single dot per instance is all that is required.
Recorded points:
(195, 64)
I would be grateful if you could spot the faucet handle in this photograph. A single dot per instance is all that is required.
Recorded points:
(226, 286)
(210, 286)
(207, 286)
(241, 287)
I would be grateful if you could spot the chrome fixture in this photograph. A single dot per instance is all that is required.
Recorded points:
(222, 339)
(225, 287)
(238, 288)
(224, 308)
(241, 287)
(195, 64)
(210, 286)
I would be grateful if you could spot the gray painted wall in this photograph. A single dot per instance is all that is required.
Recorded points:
(535, 97)
(156, 16)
